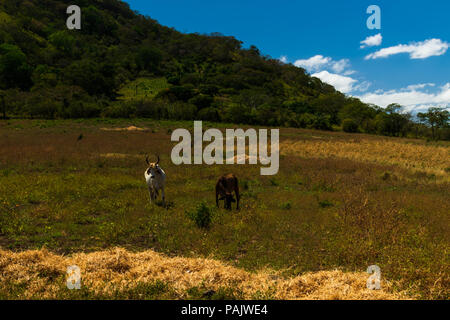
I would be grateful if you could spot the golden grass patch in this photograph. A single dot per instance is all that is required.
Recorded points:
(427, 158)
(104, 272)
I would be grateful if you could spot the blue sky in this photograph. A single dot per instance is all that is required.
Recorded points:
(407, 61)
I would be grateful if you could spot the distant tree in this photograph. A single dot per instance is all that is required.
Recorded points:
(97, 22)
(63, 41)
(396, 121)
(436, 118)
(201, 101)
(14, 69)
(359, 112)
(149, 58)
(95, 78)
(349, 125)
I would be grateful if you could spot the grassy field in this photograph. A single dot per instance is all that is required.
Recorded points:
(340, 201)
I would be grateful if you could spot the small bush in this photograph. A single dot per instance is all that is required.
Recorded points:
(245, 184)
(325, 204)
(201, 216)
(386, 176)
(286, 206)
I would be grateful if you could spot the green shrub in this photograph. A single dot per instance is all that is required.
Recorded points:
(286, 206)
(201, 101)
(349, 125)
(325, 204)
(201, 215)
(209, 114)
(81, 110)
(322, 122)
(120, 110)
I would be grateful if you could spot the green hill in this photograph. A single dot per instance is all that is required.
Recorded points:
(123, 64)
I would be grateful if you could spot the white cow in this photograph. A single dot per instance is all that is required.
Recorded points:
(156, 180)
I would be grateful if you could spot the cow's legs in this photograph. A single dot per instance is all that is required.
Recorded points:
(163, 197)
(236, 191)
(150, 191)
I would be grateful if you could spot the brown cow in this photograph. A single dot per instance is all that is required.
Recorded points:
(225, 187)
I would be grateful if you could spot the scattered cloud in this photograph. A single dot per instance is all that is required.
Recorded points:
(413, 87)
(314, 63)
(416, 50)
(340, 66)
(412, 97)
(372, 41)
(319, 63)
(362, 87)
(341, 83)
(333, 72)
(283, 59)
(349, 72)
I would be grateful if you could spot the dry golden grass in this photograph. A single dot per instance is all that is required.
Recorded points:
(416, 157)
(105, 272)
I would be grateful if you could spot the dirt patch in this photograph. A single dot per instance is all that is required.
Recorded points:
(130, 128)
(118, 269)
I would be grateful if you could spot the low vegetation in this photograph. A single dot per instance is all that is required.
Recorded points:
(340, 201)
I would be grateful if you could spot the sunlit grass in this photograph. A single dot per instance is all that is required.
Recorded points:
(339, 201)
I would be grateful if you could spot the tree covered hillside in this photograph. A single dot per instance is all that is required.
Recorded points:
(123, 64)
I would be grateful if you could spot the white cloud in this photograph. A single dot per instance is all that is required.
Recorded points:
(416, 50)
(372, 41)
(410, 97)
(283, 59)
(314, 63)
(341, 65)
(335, 73)
(319, 62)
(341, 83)
(363, 86)
(349, 72)
(418, 86)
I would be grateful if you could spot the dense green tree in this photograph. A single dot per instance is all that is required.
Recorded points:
(149, 58)
(63, 41)
(14, 69)
(94, 78)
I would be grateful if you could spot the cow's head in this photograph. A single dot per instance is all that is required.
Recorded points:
(228, 198)
(153, 167)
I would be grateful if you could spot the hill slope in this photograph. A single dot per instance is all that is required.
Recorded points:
(62, 73)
